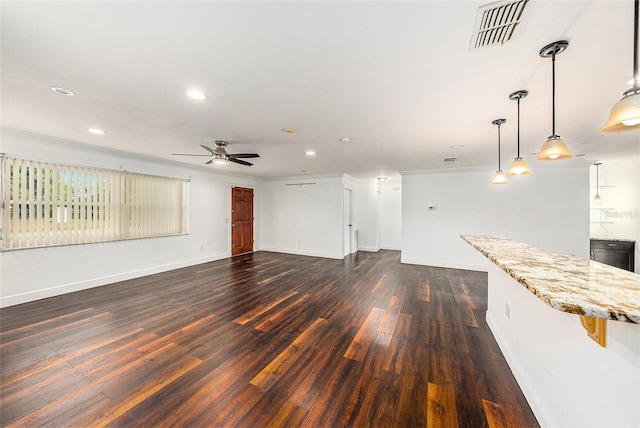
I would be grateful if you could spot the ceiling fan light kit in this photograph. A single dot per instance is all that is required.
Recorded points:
(625, 114)
(219, 155)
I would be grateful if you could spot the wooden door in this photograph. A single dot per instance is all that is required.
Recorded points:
(241, 220)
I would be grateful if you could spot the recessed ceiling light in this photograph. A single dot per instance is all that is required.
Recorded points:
(457, 146)
(311, 153)
(288, 130)
(62, 91)
(196, 94)
(96, 131)
(344, 140)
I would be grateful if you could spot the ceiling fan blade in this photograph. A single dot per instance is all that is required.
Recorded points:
(186, 154)
(209, 149)
(210, 161)
(243, 155)
(241, 162)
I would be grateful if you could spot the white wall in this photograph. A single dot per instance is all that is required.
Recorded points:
(568, 379)
(548, 209)
(38, 273)
(391, 214)
(618, 216)
(368, 220)
(303, 219)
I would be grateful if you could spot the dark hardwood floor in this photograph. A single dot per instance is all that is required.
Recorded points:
(263, 339)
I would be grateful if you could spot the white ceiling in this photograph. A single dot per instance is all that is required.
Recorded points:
(397, 78)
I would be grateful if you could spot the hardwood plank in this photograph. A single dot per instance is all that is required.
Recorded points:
(359, 404)
(256, 413)
(289, 415)
(305, 395)
(396, 354)
(495, 415)
(412, 404)
(284, 315)
(263, 308)
(276, 368)
(330, 399)
(390, 317)
(360, 344)
(441, 407)
(384, 408)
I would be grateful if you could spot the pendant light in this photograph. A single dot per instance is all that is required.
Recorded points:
(519, 166)
(625, 114)
(597, 200)
(499, 177)
(554, 148)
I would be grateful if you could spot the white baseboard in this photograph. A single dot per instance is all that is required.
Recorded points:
(303, 252)
(444, 264)
(369, 249)
(391, 247)
(31, 296)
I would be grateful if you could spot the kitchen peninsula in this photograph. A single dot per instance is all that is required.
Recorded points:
(535, 302)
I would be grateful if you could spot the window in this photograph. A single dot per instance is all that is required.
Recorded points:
(46, 204)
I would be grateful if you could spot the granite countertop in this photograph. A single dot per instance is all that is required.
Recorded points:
(565, 282)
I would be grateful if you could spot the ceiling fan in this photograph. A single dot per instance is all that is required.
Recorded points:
(219, 155)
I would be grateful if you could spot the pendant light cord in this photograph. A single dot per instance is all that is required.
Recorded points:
(636, 83)
(553, 94)
(499, 169)
(518, 127)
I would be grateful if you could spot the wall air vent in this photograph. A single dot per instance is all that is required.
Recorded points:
(449, 160)
(496, 22)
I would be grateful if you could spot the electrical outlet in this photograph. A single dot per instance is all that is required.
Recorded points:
(201, 247)
(507, 309)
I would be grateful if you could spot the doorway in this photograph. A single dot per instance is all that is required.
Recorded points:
(241, 220)
(348, 225)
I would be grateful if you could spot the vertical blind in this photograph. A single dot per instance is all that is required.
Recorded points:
(46, 204)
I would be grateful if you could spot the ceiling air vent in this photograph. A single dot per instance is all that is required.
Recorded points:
(495, 23)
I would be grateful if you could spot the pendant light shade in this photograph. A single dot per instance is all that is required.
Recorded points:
(499, 177)
(597, 200)
(625, 114)
(554, 148)
(519, 166)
